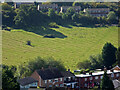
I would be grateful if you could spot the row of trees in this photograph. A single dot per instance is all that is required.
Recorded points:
(108, 57)
(28, 15)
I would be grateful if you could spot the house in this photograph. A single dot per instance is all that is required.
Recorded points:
(17, 4)
(64, 8)
(47, 6)
(53, 77)
(90, 80)
(97, 12)
(116, 68)
(28, 82)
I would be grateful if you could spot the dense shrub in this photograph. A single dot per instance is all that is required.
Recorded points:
(53, 25)
(28, 43)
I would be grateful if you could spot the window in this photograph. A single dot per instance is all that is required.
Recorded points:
(96, 77)
(91, 78)
(56, 80)
(61, 85)
(69, 78)
(56, 85)
(117, 75)
(64, 79)
(85, 79)
(85, 85)
(45, 81)
(50, 81)
(73, 78)
(101, 77)
(50, 85)
(60, 79)
(112, 75)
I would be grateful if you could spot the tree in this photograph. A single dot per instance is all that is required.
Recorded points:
(112, 18)
(64, 16)
(70, 11)
(96, 61)
(108, 54)
(51, 13)
(75, 17)
(106, 83)
(118, 56)
(84, 64)
(7, 15)
(38, 63)
(9, 81)
(28, 15)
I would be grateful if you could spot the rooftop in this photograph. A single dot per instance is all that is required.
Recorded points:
(51, 73)
(26, 81)
(96, 73)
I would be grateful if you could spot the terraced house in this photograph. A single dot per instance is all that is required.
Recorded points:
(45, 78)
(75, 8)
(97, 12)
(45, 7)
(89, 80)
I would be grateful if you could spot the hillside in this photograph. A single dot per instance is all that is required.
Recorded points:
(79, 43)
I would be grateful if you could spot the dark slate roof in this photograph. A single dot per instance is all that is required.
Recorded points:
(51, 73)
(67, 74)
(26, 81)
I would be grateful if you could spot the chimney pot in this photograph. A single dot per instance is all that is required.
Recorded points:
(69, 70)
(90, 73)
(105, 69)
(42, 68)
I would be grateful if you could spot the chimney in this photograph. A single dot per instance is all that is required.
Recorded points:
(111, 70)
(68, 70)
(42, 68)
(90, 73)
(105, 69)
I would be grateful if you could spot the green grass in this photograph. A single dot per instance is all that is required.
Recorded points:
(81, 42)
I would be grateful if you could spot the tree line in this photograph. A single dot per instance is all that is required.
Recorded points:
(28, 15)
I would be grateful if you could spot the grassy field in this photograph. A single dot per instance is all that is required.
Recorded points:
(79, 43)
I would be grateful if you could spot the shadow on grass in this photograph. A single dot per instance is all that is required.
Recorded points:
(46, 32)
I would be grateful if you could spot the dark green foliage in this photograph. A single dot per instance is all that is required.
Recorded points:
(53, 25)
(92, 63)
(96, 61)
(75, 17)
(87, 20)
(8, 14)
(51, 14)
(9, 81)
(38, 63)
(108, 54)
(84, 64)
(28, 15)
(28, 43)
(118, 56)
(106, 83)
(70, 11)
(112, 19)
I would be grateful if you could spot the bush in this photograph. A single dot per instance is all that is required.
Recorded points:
(49, 36)
(29, 43)
(53, 25)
